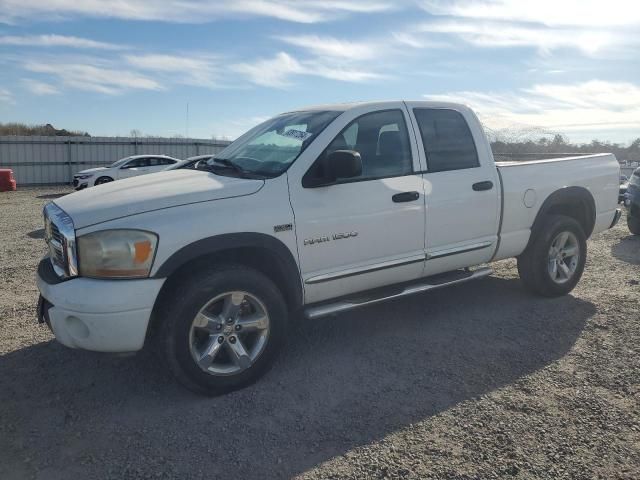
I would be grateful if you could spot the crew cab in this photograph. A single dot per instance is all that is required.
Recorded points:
(124, 168)
(311, 213)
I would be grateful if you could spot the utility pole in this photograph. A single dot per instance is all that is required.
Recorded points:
(187, 123)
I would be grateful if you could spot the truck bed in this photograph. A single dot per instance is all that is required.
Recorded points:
(526, 185)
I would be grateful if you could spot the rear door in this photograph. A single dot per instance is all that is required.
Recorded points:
(158, 164)
(461, 188)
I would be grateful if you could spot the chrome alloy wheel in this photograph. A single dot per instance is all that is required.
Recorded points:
(564, 256)
(229, 333)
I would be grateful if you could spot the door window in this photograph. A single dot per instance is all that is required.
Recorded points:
(137, 163)
(448, 143)
(381, 139)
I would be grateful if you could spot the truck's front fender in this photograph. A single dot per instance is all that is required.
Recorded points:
(230, 242)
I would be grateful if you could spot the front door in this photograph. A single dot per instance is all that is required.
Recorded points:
(363, 232)
(135, 167)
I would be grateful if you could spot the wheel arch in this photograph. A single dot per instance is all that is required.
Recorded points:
(262, 252)
(574, 202)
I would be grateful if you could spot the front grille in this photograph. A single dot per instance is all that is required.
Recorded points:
(55, 233)
(60, 238)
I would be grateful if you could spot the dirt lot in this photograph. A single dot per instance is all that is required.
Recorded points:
(478, 381)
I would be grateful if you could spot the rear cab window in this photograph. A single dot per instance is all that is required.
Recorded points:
(447, 140)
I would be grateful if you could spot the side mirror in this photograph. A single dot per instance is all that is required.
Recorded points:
(337, 165)
(343, 164)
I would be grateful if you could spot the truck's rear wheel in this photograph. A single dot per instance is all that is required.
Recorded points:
(634, 224)
(554, 261)
(223, 329)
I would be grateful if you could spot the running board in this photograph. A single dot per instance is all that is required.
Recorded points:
(387, 293)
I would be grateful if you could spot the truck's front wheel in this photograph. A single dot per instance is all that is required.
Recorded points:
(223, 329)
(554, 261)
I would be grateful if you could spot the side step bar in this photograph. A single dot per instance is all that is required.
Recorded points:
(379, 295)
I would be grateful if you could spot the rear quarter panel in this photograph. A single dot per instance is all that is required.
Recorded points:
(599, 174)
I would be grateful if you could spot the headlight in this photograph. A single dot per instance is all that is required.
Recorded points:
(117, 253)
(84, 177)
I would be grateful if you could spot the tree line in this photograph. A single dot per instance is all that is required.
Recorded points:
(47, 130)
(558, 144)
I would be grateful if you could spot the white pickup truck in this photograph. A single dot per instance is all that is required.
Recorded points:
(311, 213)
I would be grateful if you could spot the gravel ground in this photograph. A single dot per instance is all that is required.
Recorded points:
(481, 380)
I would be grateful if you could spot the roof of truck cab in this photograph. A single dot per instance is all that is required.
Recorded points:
(343, 107)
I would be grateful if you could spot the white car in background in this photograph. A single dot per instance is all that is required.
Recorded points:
(124, 168)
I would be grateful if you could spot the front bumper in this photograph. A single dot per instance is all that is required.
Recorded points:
(100, 315)
(80, 184)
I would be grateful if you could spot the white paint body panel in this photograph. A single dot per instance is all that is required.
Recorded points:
(152, 192)
(386, 231)
(457, 217)
(101, 315)
(393, 239)
(599, 174)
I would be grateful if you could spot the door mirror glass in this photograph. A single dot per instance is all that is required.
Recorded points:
(343, 164)
(334, 166)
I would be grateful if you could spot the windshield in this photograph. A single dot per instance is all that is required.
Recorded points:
(272, 146)
(119, 162)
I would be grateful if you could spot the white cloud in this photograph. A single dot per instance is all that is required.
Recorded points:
(590, 27)
(40, 88)
(579, 13)
(192, 11)
(277, 71)
(95, 78)
(271, 72)
(333, 47)
(414, 40)
(545, 39)
(190, 70)
(56, 41)
(584, 109)
(6, 96)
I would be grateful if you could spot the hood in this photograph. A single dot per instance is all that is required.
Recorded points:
(151, 192)
(92, 170)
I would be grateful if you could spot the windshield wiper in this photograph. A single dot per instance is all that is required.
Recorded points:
(226, 163)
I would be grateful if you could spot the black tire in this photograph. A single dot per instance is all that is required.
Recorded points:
(634, 224)
(173, 337)
(102, 180)
(533, 262)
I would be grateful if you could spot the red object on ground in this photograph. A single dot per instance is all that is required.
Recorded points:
(7, 182)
